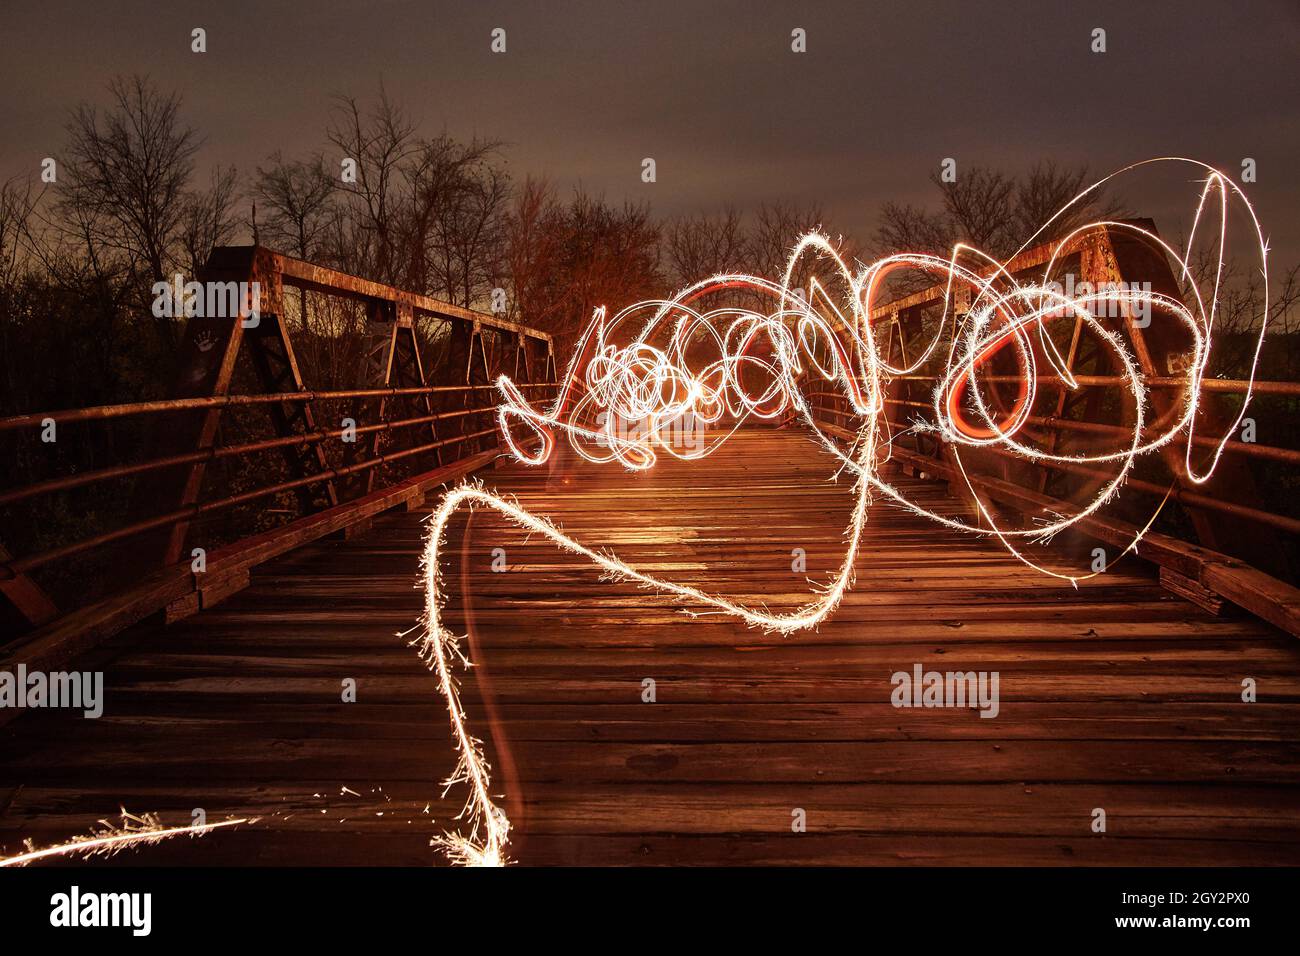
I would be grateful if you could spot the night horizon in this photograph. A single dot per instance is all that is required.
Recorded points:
(731, 116)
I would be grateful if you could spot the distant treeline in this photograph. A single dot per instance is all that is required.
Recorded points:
(382, 199)
(430, 213)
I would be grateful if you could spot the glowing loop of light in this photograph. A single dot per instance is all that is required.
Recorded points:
(660, 385)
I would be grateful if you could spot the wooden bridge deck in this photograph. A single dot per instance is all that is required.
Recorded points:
(1117, 696)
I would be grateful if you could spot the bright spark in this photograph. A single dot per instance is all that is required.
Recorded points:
(111, 838)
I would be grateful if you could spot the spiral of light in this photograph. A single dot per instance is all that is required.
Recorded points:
(657, 378)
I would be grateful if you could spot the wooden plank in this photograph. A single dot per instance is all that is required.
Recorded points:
(1191, 589)
(1119, 695)
(63, 639)
(1265, 596)
(59, 642)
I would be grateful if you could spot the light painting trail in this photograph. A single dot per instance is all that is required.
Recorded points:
(825, 334)
(654, 378)
(134, 831)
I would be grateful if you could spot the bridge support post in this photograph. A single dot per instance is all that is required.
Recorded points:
(209, 354)
(27, 599)
(1122, 256)
(467, 364)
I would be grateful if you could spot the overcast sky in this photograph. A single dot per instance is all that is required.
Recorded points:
(710, 90)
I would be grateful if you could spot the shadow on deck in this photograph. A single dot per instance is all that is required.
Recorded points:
(1117, 696)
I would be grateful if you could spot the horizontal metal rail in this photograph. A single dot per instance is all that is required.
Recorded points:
(1232, 446)
(178, 591)
(1196, 499)
(101, 412)
(171, 488)
(222, 451)
(1173, 493)
(198, 509)
(1231, 513)
(1225, 385)
(301, 274)
(1289, 456)
(1267, 597)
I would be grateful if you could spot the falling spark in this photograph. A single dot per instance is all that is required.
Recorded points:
(652, 380)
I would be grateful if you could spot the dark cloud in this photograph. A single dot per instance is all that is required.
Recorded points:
(711, 90)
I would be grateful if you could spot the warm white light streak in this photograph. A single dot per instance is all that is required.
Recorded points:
(652, 380)
(135, 831)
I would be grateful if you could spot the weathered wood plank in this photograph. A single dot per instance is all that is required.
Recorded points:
(1118, 694)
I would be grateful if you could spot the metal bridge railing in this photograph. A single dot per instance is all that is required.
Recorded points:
(1222, 541)
(402, 431)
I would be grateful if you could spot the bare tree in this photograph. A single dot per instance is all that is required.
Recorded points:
(980, 206)
(907, 228)
(130, 168)
(466, 200)
(295, 198)
(1045, 190)
(776, 229)
(705, 245)
(566, 259)
(208, 217)
(533, 237)
(378, 142)
(424, 213)
(15, 212)
(994, 211)
(16, 208)
(1240, 310)
(611, 256)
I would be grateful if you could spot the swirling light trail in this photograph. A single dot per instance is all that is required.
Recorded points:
(660, 384)
(654, 379)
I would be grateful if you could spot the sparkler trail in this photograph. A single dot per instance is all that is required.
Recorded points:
(134, 831)
(657, 379)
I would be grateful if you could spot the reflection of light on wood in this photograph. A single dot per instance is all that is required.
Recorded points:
(658, 379)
